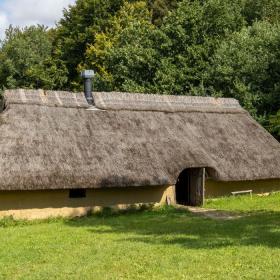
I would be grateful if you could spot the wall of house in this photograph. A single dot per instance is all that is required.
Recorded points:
(216, 188)
(45, 204)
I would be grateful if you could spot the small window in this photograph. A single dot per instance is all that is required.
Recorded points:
(77, 193)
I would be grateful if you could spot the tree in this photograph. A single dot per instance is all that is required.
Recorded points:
(247, 67)
(26, 60)
(136, 55)
(194, 30)
(126, 56)
(160, 9)
(86, 20)
(78, 28)
(259, 10)
(274, 124)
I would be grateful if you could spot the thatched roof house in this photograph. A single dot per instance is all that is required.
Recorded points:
(55, 141)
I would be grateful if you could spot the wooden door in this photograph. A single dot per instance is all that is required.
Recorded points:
(197, 184)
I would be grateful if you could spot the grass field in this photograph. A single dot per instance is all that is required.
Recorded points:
(160, 244)
(246, 203)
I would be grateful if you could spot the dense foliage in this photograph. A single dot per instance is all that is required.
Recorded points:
(26, 60)
(225, 48)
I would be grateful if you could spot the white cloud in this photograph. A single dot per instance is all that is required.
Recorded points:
(27, 12)
(3, 24)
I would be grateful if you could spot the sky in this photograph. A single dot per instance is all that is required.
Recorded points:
(27, 12)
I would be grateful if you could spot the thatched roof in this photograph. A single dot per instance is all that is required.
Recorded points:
(54, 140)
(46, 98)
(165, 103)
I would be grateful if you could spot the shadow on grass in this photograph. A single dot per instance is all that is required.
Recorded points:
(177, 227)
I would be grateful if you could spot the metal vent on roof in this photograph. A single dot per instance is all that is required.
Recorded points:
(88, 75)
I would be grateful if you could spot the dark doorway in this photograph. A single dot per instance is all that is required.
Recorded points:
(190, 187)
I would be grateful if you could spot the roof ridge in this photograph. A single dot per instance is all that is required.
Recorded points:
(164, 103)
(46, 98)
(124, 101)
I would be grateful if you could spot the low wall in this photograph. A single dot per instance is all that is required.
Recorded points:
(45, 204)
(216, 189)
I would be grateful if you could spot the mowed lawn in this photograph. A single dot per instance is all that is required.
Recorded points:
(160, 244)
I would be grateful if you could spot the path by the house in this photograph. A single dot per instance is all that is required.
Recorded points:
(211, 213)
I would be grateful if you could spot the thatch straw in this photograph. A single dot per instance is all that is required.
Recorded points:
(164, 103)
(46, 98)
(48, 147)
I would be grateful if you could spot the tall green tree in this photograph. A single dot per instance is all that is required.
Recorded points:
(194, 31)
(26, 60)
(126, 56)
(78, 28)
(274, 124)
(83, 22)
(247, 67)
(258, 10)
(161, 8)
(136, 55)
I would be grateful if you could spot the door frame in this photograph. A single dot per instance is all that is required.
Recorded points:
(195, 186)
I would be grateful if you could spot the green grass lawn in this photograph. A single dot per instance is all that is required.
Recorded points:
(244, 203)
(160, 244)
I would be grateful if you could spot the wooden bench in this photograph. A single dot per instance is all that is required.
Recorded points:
(242, 192)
